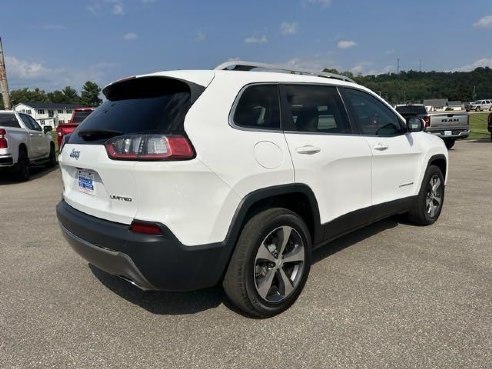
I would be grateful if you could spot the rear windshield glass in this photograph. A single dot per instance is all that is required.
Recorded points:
(79, 116)
(9, 120)
(411, 109)
(139, 105)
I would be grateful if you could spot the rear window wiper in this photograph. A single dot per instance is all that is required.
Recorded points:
(97, 134)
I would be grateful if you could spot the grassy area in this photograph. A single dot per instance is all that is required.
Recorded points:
(478, 125)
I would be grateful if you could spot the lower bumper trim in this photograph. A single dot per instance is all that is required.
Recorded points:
(112, 262)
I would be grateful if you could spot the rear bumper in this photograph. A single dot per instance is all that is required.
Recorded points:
(151, 262)
(451, 133)
(6, 160)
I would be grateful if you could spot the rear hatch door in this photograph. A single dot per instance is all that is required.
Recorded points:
(107, 188)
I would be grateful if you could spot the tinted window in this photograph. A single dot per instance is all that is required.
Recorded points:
(315, 109)
(372, 116)
(34, 124)
(411, 110)
(9, 120)
(141, 105)
(27, 122)
(79, 116)
(258, 107)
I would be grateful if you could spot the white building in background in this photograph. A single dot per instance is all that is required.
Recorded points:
(48, 114)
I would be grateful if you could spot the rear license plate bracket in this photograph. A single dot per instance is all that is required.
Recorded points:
(85, 181)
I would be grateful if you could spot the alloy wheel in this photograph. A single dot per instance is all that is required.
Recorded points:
(279, 264)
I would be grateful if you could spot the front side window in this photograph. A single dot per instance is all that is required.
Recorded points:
(34, 124)
(315, 108)
(373, 117)
(258, 108)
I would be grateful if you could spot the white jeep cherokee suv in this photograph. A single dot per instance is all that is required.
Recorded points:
(185, 179)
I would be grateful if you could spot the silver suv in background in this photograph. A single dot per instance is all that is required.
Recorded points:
(480, 105)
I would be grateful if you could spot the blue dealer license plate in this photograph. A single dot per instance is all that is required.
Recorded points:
(86, 182)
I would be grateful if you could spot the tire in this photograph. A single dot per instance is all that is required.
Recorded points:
(259, 280)
(430, 199)
(21, 169)
(449, 143)
(52, 158)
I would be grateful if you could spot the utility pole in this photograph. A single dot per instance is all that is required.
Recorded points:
(398, 66)
(4, 87)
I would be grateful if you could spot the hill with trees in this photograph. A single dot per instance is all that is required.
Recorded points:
(416, 86)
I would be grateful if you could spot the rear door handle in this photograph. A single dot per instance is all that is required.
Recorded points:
(380, 147)
(308, 150)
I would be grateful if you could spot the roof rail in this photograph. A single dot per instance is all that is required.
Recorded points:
(241, 65)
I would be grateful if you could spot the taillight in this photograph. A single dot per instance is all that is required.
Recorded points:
(3, 139)
(144, 227)
(149, 147)
(427, 121)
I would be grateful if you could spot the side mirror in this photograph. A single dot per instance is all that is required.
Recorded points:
(47, 129)
(415, 124)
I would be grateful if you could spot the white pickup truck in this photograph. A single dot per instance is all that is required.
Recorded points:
(24, 143)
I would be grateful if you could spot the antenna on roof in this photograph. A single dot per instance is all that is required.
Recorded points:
(240, 65)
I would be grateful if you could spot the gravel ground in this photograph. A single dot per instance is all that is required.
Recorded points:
(391, 295)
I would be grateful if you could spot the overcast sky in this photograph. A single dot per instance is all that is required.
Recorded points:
(54, 43)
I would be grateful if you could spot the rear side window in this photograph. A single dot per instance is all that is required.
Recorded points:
(315, 109)
(411, 110)
(140, 105)
(373, 117)
(258, 108)
(79, 116)
(9, 120)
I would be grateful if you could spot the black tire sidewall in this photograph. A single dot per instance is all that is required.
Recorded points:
(22, 167)
(243, 261)
(431, 171)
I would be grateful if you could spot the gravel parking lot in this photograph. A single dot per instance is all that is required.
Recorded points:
(391, 295)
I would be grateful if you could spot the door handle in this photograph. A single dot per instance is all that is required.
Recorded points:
(380, 147)
(308, 150)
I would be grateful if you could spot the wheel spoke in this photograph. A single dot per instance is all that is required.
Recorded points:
(438, 200)
(295, 255)
(285, 235)
(286, 286)
(264, 254)
(436, 184)
(432, 210)
(265, 283)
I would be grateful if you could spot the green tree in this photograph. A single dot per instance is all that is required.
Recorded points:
(90, 94)
(71, 96)
(25, 95)
(57, 97)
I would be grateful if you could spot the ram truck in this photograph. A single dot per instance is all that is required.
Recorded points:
(24, 143)
(449, 125)
(78, 115)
